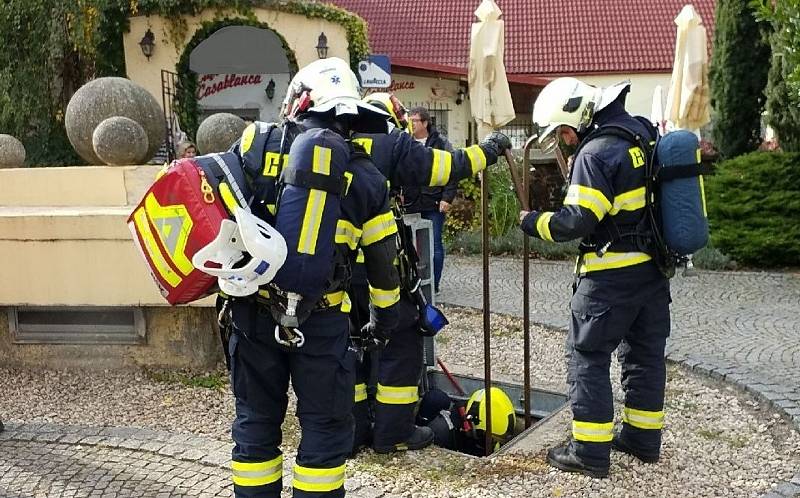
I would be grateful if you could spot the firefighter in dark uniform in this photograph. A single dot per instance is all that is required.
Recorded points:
(404, 162)
(621, 298)
(323, 98)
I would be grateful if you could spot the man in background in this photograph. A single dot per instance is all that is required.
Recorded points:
(432, 203)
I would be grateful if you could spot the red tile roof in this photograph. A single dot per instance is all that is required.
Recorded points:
(543, 37)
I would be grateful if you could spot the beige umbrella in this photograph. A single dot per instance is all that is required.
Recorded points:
(489, 95)
(688, 100)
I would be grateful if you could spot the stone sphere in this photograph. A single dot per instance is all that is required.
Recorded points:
(120, 141)
(218, 132)
(12, 152)
(105, 98)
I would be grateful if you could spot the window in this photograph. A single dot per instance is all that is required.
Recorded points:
(82, 325)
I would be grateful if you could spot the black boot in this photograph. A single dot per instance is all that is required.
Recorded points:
(564, 458)
(420, 438)
(619, 444)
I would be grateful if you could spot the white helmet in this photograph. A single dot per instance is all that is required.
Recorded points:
(571, 102)
(330, 85)
(248, 235)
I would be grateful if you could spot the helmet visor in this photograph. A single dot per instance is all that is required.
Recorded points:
(548, 137)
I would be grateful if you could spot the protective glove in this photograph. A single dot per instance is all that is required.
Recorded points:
(497, 143)
(373, 337)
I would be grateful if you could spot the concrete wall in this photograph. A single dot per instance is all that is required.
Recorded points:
(435, 93)
(299, 32)
(64, 241)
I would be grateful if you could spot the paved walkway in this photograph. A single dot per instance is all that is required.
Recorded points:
(739, 326)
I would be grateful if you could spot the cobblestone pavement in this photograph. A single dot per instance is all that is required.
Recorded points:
(47, 460)
(741, 327)
(737, 326)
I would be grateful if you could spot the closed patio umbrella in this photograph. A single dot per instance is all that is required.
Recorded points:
(688, 100)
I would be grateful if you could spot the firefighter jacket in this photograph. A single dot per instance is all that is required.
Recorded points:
(418, 199)
(365, 219)
(605, 199)
(406, 162)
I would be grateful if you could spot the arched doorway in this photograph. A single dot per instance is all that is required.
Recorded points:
(234, 65)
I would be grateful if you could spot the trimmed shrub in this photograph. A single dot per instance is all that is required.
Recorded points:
(753, 208)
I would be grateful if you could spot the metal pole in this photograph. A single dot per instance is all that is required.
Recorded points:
(487, 360)
(526, 314)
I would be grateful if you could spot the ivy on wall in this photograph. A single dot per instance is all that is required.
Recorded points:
(59, 46)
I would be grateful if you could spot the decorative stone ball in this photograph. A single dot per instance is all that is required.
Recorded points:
(120, 141)
(12, 152)
(104, 98)
(218, 132)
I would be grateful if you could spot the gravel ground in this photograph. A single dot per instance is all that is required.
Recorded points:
(718, 441)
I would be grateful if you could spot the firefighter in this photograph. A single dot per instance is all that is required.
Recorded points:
(620, 298)
(322, 108)
(390, 402)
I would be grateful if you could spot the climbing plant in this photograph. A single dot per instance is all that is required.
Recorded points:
(58, 46)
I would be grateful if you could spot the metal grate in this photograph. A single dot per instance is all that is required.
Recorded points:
(439, 111)
(168, 96)
(84, 325)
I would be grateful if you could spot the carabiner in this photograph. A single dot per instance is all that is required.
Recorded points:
(296, 338)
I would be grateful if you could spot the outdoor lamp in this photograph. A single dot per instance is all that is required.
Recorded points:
(148, 43)
(460, 96)
(322, 46)
(270, 90)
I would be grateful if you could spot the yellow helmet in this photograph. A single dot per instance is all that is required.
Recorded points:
(391, 104)
(503, 415)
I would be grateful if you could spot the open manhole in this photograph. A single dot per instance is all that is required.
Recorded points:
(454, 436)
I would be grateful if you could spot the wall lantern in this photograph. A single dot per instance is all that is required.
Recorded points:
(148, 43)
(322, 46)
(461, 95)
(270, 90)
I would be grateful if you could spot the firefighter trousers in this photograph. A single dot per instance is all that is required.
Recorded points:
(387, 385)
(322, 373)
(628, 310)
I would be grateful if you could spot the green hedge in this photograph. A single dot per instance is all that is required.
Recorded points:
(754, 209)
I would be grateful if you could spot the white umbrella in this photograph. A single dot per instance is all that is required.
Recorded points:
(688, 100)
(657, 109)
(490, 97)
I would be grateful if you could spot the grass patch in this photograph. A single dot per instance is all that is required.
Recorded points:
(208, 380)
(709, 434)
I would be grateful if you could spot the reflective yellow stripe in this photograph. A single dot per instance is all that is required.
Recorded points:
(315, 205)
(477, 159)
(637, 156)
(360, 256)
(383, 298)
(347, 233)
(628, 201)
(404, 395)
(378, 228)
(361, 392)
(151, 247)
(592, 432)
(272, 163)
(318, 480)
(543, 226)
(248, 135)
(271, 208)
(364, 142)
(348, 179)
(440, 172)
(589, 198)
(643, 419)
(173, 225)
(703, 195)
(611, 260)
(347, 305)
(227, 197)
(257, 473)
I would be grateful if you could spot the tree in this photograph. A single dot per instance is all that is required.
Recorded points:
(783, 88)
(738, 76)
